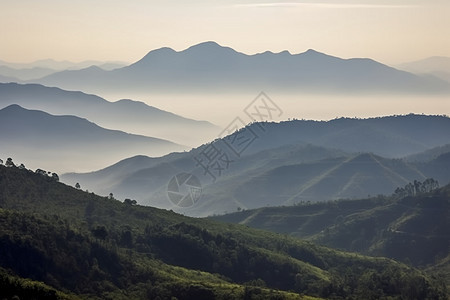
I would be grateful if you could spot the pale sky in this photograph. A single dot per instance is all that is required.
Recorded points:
(390, 31)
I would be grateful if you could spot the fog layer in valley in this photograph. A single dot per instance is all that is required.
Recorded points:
(222, 108)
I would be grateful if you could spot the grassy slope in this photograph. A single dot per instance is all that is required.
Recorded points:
(92, 246)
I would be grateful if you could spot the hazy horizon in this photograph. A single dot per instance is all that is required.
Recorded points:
(391, 32)
(228, 149)
(127, 62)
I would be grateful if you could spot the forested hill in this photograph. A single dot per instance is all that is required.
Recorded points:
(411, 226)
(79, 245)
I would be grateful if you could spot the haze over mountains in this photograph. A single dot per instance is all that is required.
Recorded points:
(118, 232)
(42, 68)
(285, 163)
(282, 167)
(208, 67)
(438, 66)
(346, 177)
(63, 143)
(18, 75)
(126, 115)
(63, 64)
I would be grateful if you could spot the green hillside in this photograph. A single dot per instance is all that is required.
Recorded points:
(14, 287)
(76, 243)
(411, 229)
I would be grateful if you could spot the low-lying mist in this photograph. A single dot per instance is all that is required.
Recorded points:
(222, 108)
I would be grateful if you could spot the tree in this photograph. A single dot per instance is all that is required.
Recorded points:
(409, 189)
(130, 202)
(417, 187)
(1, 162)
(21, 166)
(111, 196)
(41, 172)
(400, 192)
(55, 177)
(9, 162)
(429, 185)
(77, 186)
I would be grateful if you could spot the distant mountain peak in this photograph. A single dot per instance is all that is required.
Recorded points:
(94, 68)
(17, 110)
(282, 53)
(207, 44)
(208, 48)
(312, 52)
(160, 52)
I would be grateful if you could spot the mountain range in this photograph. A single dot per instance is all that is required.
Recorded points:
(289, 162)
(389, 136)
(21, 72)
(209, 67)
(63, 143)
(345, 177)
(18, 75)
(126, 115)
(300, 192)
(428, 155)
(62, 64)
(62, 243)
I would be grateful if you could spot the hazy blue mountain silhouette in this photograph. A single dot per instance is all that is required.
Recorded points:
(350, 176)
(211, 67)
(64, 143)
(25, 74)
(429, 154)
(438, 66)
(8, 79)
(346, 177)
(20, 72)
(391, 136)
(63, 65)
(284, 167)
(438, 166)
(146, 178)
(126, 115)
